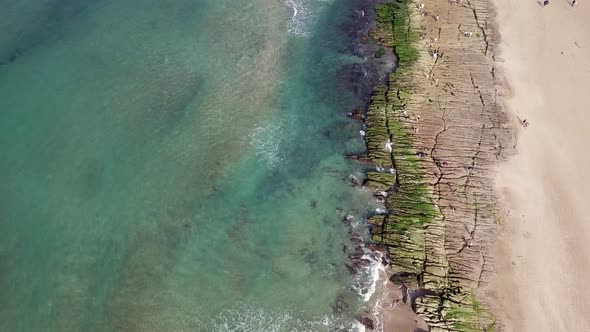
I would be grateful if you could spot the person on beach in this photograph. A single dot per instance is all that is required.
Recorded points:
(545, 3)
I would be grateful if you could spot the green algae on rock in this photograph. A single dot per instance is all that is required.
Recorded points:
(410, 205)
(412, 210)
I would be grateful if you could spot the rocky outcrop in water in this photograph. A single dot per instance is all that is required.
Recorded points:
(368, 323)
(439, 125)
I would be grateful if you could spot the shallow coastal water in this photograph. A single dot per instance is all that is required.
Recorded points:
(176, 166)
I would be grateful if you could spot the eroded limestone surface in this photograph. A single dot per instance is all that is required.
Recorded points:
(439, 124)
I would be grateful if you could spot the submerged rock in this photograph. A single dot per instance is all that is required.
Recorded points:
(362, 158)
(356, 263)
(368, 323)
(357, 115)
(340, 305)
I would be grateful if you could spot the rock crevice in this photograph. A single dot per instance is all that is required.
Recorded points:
(439, 112)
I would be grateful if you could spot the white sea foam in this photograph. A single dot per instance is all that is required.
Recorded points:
(365, 282)
(374, 270)
(382, 304)
(299, 22)
(359, 327)
(247, 317)
(369, 284)
(380, 211)
(267, 141)
(305, 13)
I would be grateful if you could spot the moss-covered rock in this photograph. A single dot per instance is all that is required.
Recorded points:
(410, 205)
(380, 180)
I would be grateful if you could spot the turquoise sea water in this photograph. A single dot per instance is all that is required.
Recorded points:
(175, 165)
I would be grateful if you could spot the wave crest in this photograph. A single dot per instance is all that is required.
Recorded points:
(304, 15)
(267, 141)
(247, 317)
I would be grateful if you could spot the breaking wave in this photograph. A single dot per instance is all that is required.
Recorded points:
(267, 140)
(303, 16)
(365, 281)
(247, 317)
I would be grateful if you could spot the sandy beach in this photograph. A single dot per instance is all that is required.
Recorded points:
(544, 253)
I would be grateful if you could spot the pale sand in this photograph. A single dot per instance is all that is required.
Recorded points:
(390, 313)
(544, 258)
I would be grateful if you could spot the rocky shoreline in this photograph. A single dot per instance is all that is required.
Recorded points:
(434, 133)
